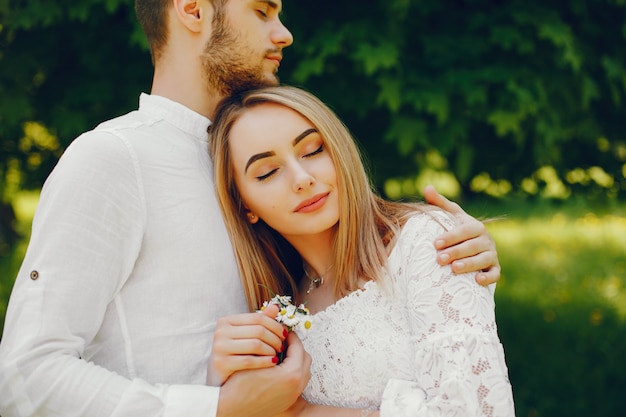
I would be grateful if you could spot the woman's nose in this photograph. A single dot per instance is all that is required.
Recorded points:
(302, 179)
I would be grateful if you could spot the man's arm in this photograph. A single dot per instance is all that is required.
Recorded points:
(85, 239)
(468, 247)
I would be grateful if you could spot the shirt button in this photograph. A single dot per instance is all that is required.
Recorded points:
(34, 275)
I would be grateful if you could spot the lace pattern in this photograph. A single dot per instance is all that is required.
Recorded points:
(426, 346)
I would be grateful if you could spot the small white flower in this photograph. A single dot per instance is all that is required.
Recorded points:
(291, 316)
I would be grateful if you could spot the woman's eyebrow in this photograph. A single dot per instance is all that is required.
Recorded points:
(262, 155)
(256, 157)
(303, 135)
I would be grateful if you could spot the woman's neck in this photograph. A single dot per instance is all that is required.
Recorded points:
(315, 250)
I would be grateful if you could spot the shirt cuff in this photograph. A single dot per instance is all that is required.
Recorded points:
(191, 400)
(401, 398)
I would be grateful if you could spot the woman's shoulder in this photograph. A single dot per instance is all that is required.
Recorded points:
(430, 220)
(415, 244)
(416, 239)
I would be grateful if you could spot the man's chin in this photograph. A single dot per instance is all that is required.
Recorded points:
(237, 85)
(272, 80)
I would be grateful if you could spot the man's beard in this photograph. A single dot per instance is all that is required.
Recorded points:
(227, 65)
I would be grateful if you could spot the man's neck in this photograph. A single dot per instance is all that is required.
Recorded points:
(186, 87)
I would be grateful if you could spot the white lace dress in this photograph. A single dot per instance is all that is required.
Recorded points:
(425, 346)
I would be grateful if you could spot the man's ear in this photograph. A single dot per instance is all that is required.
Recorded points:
(193, 13)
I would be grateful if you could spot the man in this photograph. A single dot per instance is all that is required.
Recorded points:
(128, 268)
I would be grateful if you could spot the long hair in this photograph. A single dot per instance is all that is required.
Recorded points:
(367, 225)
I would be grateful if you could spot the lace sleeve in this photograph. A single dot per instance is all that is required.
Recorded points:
(459, 365)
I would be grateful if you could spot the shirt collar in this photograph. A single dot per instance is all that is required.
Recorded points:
(175, 113)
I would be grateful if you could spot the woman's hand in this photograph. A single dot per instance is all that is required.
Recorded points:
(245, 341)
(263, 392)
(468, 247)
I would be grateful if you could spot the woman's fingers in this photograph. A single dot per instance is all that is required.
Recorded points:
(251, 326)
(244, 341)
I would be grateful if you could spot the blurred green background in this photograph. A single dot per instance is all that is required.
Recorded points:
(515, 109)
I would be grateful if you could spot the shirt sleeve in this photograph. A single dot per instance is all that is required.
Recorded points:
(459, 361)
(86, 236)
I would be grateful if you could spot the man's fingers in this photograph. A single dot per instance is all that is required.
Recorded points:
(433, 197)
(296, 355)
(297, 361)
(461, 233)
(480, 262)
(468, 247)
(221, 368)
(488, 276)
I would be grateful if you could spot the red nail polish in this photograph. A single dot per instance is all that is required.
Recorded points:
(275, 359)
(285, 333)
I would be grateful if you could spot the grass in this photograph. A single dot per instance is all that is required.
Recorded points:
(561, 306)
(556, 260)
(561, 301)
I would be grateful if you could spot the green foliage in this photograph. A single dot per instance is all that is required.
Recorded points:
(561, 309)
(497, 88)
(502, 88)
(66, 66)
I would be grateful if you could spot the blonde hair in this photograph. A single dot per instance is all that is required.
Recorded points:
(367, 223)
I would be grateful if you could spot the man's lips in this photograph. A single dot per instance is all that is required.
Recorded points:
(275, 58)
(312, 203)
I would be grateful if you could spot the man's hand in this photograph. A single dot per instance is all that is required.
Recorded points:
(245, 341)
(269, 391)
(296, 409)
(303, 408)
(469, 247)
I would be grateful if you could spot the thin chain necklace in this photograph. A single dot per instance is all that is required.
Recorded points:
(315, 282)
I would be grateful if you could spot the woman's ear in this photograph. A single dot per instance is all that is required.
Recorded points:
(252, 218)
(193, 13)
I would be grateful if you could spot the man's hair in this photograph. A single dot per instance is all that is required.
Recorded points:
(152, 16)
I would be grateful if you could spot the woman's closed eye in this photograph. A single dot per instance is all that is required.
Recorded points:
(320, 149)
(266, 175)
(267, 171)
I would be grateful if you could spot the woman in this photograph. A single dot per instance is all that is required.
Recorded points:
(393, 332)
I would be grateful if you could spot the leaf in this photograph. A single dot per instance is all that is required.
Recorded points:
(560, 34)
(407, 133)
(376, 57)
(464, 162)
(390, 93)
(504, 122)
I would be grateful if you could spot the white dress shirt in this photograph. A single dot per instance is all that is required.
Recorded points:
(128, 268)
